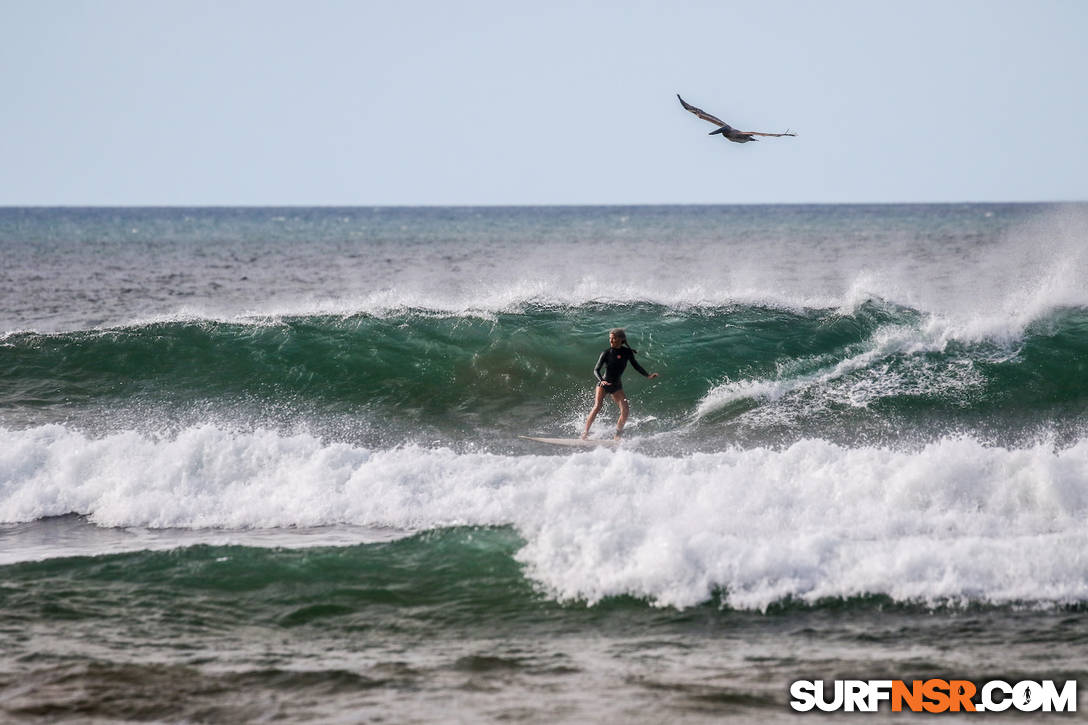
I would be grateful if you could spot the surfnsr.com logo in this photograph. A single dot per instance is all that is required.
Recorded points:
(934, 696)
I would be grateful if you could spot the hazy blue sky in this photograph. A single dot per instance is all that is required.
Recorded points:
(401, 102)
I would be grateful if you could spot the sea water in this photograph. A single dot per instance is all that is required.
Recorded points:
(264, 463)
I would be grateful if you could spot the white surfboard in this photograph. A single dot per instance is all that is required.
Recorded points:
(574, 442)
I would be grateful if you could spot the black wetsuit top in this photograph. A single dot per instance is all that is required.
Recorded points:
(614, 361)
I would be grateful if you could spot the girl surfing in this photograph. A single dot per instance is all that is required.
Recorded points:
(614, 361)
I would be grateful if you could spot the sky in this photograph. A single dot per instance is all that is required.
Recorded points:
(266, 102)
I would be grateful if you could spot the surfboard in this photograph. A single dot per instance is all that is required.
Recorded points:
(574, 442)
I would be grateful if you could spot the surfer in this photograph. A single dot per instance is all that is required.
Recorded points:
(614, 361)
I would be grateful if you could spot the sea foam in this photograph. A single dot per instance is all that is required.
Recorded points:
(953, 521)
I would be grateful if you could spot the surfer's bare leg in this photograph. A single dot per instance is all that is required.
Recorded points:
(596, 409)
(625, 408)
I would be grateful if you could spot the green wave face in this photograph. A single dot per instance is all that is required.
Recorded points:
(468, 569)
(743, 373)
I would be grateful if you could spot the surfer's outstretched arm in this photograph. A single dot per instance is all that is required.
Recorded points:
(636, 366)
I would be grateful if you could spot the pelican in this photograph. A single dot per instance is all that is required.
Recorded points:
(725, 129)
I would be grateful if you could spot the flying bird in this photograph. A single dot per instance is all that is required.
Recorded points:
(725, 129)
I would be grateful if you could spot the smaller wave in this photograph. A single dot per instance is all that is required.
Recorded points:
(484, 302)
(75, 536)
(909, 367)
(865, 374)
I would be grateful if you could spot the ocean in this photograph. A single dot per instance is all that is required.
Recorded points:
(264, 464)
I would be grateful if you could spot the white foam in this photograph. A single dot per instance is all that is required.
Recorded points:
(954, 520)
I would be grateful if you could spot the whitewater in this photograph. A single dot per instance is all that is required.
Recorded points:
(955, 521)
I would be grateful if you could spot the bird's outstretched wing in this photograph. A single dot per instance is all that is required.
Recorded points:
(724, 128)
(701, 113)
(760, 133)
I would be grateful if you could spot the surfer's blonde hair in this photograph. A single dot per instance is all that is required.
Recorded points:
(622, 335)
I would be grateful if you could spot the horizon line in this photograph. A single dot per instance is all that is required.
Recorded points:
(535, 206)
